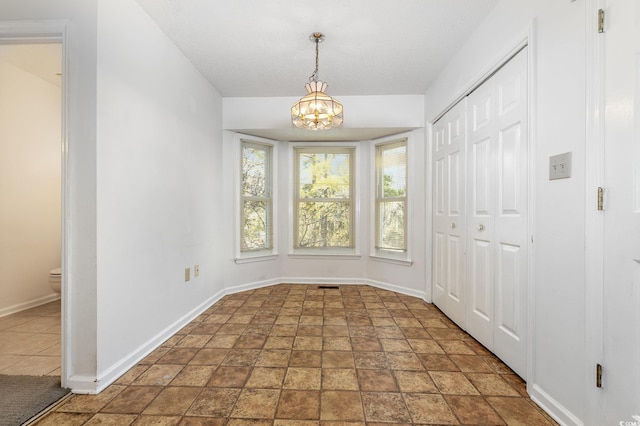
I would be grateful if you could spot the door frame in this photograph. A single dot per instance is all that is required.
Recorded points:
(594, 219)
(54, 31)
(527, 39)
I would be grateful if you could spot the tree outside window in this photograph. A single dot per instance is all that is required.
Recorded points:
(324, 198)
(391, 196)
(256, 198)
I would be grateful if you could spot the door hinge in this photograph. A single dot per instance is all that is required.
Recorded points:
(600, 20)
(598, 376)
(600, 198)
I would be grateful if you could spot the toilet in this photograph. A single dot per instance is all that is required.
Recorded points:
(55, 278)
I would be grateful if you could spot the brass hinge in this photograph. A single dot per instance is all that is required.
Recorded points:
(598, 376)
(600, 198)
(600, 20)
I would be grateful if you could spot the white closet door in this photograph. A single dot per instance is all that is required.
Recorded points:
(497, 221)
(511, 269)
(481, 203)
(449, 213)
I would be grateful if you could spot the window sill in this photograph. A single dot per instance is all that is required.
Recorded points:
(325, 256)
(393, 260)
(256, 258)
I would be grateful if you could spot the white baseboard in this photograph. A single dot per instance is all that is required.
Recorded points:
(83, 385)
(90, 385)
(552, 407)
(251, 286)
(29, 304)
(333, 281)
(421, 294)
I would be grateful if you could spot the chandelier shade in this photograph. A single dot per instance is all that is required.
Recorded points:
(316, 110)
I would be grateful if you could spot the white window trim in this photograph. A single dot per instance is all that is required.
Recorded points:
(261, 256)
(388, 258)
(331, 252)
(381, 255)
(255, 255)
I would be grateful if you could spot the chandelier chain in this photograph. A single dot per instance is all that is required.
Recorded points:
(314, 76)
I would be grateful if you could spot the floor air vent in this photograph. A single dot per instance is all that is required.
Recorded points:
(328, 287)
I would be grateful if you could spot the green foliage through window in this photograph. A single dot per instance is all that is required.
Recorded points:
(256, 230)
(391, 196)
(324, 197)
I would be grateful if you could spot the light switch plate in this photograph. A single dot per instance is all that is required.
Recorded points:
(560, 166)
(187, 274)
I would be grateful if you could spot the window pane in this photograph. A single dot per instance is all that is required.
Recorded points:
(394, 171)
(254, 227)
(392, 225)
(391, 196)
(254, 171)
(324, 175)
(256, 202)
(324, 224)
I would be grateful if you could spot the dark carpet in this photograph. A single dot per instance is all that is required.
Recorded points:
(23, 397)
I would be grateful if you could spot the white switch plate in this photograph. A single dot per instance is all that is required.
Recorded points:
(560, 166)
(196, 270)
(187, 274)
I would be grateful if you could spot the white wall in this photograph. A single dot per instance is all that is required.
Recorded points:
(147, 182)
(238, 276)
(360, 112)
(557, 377)
(159, 167)
(30, 163)
(409, 278)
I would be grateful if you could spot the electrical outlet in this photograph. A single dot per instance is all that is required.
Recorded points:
(196, 270)
(187, 274)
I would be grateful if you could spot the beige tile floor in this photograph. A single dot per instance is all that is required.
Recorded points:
(30, 341)
(298, 355)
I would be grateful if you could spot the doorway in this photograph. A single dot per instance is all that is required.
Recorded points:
(31, 189)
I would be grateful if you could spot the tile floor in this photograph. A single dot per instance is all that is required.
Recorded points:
(30, 341)
(298, 355)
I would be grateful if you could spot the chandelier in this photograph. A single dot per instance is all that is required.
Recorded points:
(316, 110)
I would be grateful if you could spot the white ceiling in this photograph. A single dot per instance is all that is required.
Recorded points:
(256, 48)
(261, 48)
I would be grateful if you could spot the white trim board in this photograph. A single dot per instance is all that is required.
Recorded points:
(29, 304)
(556, 410)
(594, 219)
(91, 385)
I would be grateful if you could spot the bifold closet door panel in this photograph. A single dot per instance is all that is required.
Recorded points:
(449, 213)
(481, 213)
(511, 218)
(497, 204)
